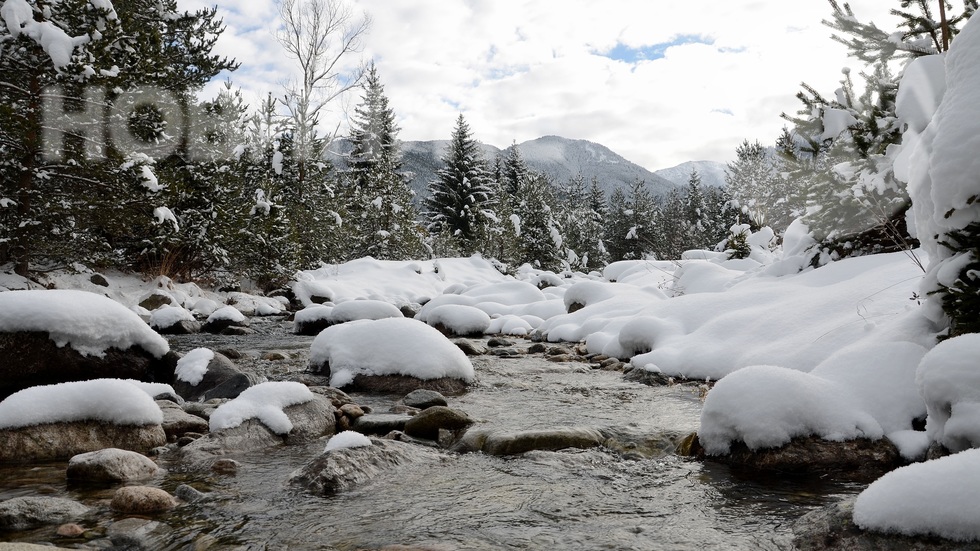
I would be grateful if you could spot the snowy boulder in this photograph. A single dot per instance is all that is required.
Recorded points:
(312, 319)
(342, 469)
(459, 320)
(935, 498)
(173, 320)
(203, 375)
(770, 417)
(253, 305)
(111, 465)
(60, 421)
(155, 299)
(56, 336)
(26, 513)
(394, 355)
(584, 293)
(354, 310)
(266, 415)
(223, 318)
(949, 380)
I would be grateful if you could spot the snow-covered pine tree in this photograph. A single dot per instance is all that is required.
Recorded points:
(376, 190)
(630, 233)
(458, 200)
(537, 231)
(756, 185)
(581, 214)
(88, 200)
(841, 147)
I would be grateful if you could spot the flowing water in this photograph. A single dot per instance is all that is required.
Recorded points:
(633, 493)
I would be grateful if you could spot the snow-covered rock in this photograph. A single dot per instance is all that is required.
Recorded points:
(312, 319)
(203, 375)
(173, 320)
(937, 498)
(949, 379)
(459, 320)
(223, 318)
(342, 469)
(387, 347)
(354, 310)
(264, 402)
(347, 439)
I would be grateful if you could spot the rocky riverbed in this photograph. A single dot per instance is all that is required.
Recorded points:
(561, 452)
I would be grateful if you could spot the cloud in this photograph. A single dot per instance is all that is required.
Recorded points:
(659, 82)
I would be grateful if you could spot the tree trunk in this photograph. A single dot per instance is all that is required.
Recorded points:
(21, 250)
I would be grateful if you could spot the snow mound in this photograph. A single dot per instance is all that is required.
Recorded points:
(89, 323)
(392, 346)
(265, 402)
(949, 380)
(194, 365)
(363, 310)
(767, 406)
(347, 439)
(459, 319)
(167, 315)
(114, 401)
(229, 313)
(939, 497)
(510, 324)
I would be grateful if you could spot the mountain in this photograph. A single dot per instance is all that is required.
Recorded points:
(712, 173)
(556, 157)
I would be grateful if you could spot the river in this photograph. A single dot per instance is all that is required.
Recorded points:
(633, 494)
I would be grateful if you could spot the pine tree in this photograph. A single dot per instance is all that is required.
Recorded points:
(376, 189)
(631, 234)
(64, 187)
(581, 216)
(458, 200)
(537, 232)
(757, 186)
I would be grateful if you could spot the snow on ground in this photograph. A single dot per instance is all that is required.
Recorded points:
(87, 322)
(265, 402)
(347, 439)
(113, 401)
(392, 346)
(949, 378)
(459, 319)
(390, 281)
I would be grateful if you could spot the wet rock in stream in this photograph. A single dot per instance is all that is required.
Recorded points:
(111, 465)
(340, 470)
(23, 513)
(55, 441)
(500, 443)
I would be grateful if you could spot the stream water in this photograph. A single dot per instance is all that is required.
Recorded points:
(633, 494)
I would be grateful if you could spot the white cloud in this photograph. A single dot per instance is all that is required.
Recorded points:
(520, 69)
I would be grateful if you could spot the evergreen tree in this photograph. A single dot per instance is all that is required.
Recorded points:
(537, 232)
(631, 234)
(756, 185)
(376, 189)
(581, 215)
(88, 67)
(458, 200)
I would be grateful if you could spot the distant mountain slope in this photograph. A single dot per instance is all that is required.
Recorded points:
(712, 173)
(556, 157)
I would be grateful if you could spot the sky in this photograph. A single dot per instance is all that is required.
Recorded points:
(658, 82)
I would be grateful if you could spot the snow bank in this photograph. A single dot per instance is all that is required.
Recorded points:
(87, 322)
(107, 400)
(192, 367)
(949, 379)
(347, 439)
(939, 497)
(264, 402)
(767, 406)
(393, 281)
(393, 346)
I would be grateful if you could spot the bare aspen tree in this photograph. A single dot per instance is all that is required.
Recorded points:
(320, 35)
